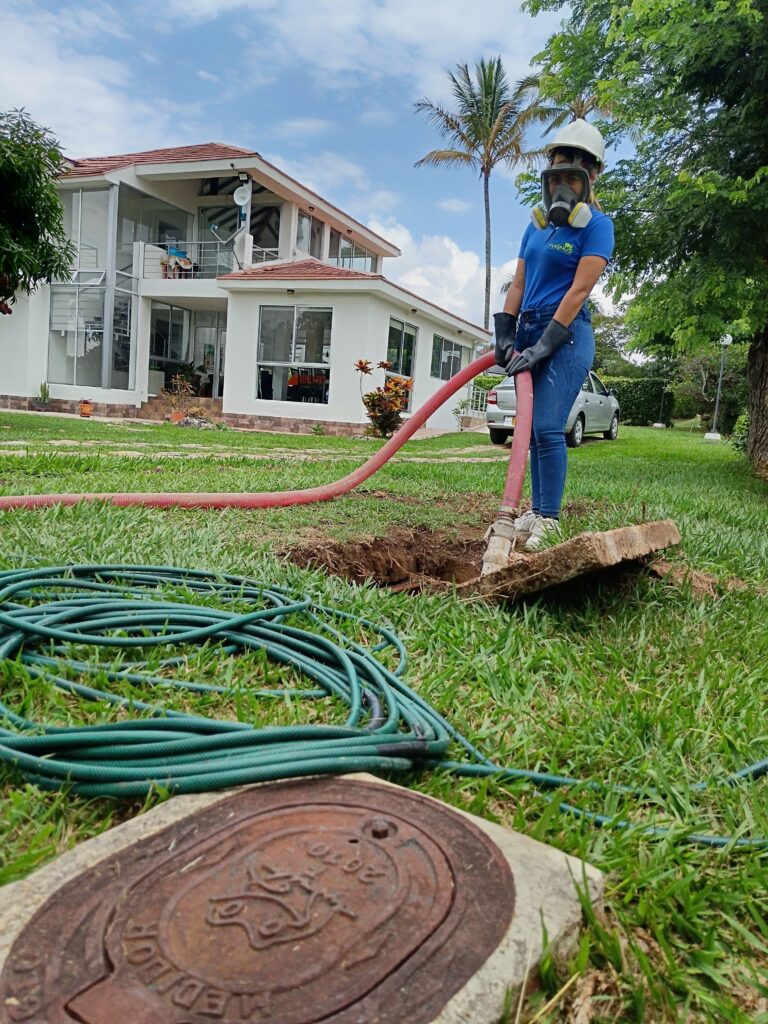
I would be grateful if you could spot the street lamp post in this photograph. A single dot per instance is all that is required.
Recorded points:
(713, 434)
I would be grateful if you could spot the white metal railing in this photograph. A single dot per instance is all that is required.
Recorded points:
(175, 260)
(477, 401)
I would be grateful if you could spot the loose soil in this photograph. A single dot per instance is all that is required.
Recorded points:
(404, 559)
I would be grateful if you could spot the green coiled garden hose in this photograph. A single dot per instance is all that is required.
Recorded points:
(47, 615)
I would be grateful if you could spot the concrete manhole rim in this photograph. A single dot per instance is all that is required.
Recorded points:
(480, 915)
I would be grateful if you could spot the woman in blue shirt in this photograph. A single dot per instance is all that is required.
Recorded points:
(545, 326)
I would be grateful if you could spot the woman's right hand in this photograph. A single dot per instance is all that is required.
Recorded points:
(505, 330)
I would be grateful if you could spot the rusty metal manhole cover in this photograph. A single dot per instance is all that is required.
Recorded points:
(313, 900)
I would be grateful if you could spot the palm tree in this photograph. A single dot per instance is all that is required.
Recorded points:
(549, 92)
(559, 112)
(487, 128)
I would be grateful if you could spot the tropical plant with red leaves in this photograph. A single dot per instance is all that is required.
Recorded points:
(384, 405)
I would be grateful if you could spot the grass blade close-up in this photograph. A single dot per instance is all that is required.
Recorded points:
(651, 681)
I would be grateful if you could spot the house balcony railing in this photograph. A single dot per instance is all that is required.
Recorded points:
(174, 260)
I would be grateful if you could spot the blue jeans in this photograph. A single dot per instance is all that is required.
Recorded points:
(556, 383)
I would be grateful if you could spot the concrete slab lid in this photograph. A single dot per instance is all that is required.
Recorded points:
(546, 898)
(531, 572)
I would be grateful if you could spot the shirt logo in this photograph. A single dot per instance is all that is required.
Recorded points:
(566, 247)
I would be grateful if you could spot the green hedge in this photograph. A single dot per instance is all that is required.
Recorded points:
(640, 400)
(486, 381)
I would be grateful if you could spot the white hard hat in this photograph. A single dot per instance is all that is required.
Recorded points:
(579, 134)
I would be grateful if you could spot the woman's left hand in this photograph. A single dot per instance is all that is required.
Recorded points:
(553, 337)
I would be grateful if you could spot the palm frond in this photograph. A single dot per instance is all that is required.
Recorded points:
(447, 158)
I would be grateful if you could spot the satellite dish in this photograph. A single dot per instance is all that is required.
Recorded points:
(242, 195)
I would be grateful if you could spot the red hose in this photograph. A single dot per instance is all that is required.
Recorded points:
(275, 499)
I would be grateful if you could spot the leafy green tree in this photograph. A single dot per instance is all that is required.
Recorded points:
(33, 243)
(611, 344)
(694, 386)
(486, 128)
(690, 77)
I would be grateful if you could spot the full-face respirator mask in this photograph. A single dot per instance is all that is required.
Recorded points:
(560, 204)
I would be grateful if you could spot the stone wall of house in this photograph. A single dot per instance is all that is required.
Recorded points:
(156, 410)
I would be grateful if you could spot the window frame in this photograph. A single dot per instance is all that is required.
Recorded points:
(292, 362)
(463, 356)
(393, 372)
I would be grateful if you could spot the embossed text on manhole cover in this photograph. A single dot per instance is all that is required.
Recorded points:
(298, 902)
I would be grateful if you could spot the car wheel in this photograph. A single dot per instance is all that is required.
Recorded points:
(497, 436)
(613, 431)
(575, 435)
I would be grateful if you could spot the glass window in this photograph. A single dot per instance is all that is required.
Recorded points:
(276, 333)
(448, 357)
(76, 334)
(316, 239)
(169, 335)
(600, 388)
(86, 220)
(122, 375)
(70, 202)
(142, 218)
(265, 227)
(303, 232)
(294, 354)
(400, 348)
(347, 253)
(309, 235)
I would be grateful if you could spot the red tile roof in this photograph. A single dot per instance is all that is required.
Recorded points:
(300, 270)
(179, 154)
(310, 269)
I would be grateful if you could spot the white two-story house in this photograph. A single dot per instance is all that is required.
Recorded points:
(210, 262)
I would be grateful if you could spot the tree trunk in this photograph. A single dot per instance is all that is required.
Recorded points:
(487, 200)
(757, 372)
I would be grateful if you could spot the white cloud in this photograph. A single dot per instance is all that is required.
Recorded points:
(207, 76)
(341, 181)
(299, 127)
(376, 115)
(346, 42)
(436, 268)
(454, 205)
(89, 101)
(327, 173)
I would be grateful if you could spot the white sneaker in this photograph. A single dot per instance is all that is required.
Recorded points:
(524, 523)
(539, 532)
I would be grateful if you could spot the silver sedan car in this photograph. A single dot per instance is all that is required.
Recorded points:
(595, 411)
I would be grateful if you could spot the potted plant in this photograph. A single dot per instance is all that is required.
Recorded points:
(85, 407)
(43, 401)
(179, 395)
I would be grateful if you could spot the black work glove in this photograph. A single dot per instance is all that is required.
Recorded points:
(505, 329)
(553, 337)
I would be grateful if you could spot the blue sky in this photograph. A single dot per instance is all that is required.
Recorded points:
(322, 88)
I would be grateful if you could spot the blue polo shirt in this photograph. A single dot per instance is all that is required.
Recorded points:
(552, 255)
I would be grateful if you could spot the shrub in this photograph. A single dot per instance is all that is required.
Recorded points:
(180, 394)
(486, 381)
(460, 410)
(740, 433)
(384, 404)
(318, 429)
(643, 401)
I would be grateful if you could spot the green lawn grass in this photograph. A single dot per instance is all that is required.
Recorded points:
(641, 682)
